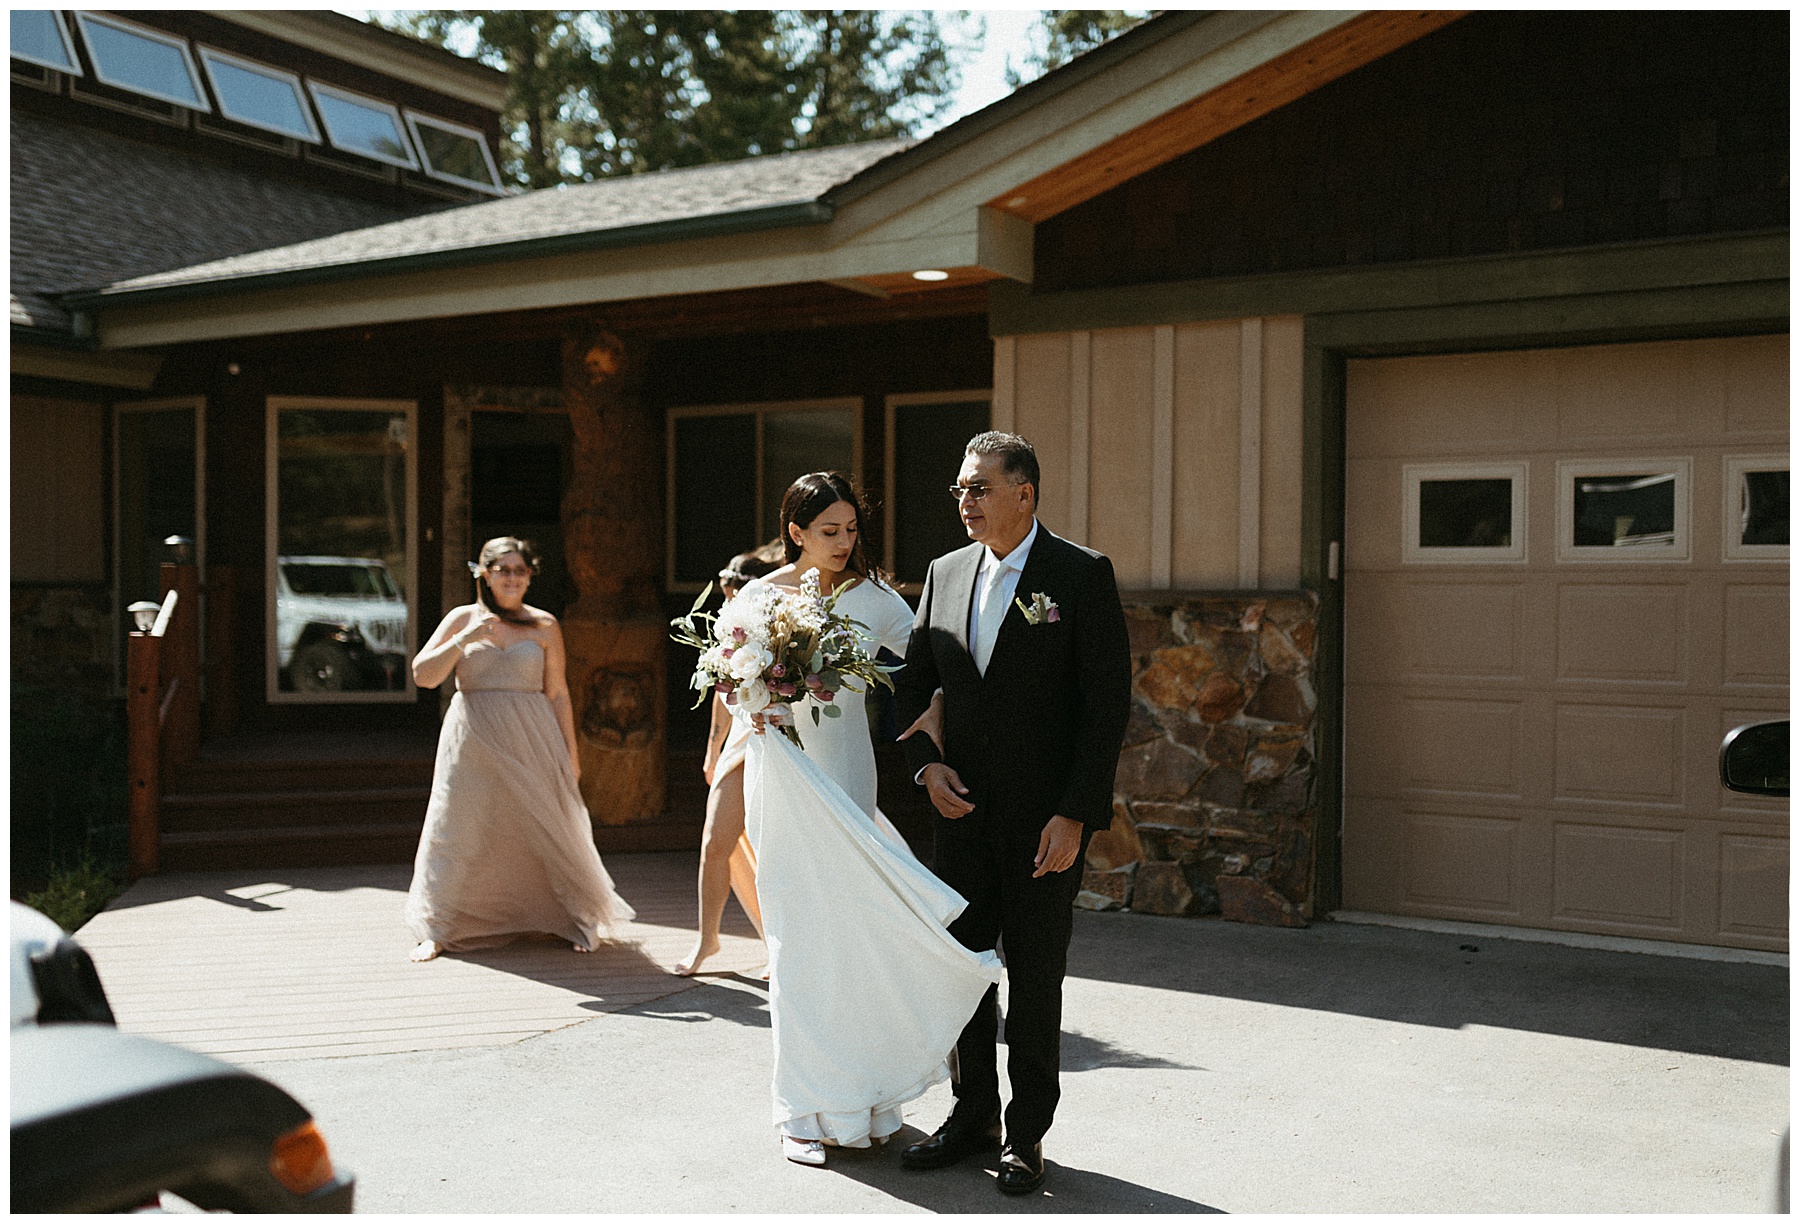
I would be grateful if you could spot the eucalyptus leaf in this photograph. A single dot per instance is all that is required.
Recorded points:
(832, 711)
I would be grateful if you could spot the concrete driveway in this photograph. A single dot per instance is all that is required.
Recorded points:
(1208, 1067)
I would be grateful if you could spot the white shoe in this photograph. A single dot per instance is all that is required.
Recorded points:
(803, 1151)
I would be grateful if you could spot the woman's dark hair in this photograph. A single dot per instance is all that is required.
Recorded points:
(753, 564)
(491, 552)
(812, 495)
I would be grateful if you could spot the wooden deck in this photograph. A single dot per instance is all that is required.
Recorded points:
(269, 965)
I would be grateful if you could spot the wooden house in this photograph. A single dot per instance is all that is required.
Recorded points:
(1424, 374)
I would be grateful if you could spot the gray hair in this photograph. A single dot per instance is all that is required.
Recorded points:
(1018, 458)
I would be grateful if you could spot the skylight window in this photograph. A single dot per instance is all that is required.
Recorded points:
(145, 61)
(454, 153)
(363, 125)
(258, 95)
(40, 37)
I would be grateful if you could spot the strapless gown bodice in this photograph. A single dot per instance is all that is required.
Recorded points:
(487, 668)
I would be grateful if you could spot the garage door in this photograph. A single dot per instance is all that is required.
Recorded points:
(1565, 580)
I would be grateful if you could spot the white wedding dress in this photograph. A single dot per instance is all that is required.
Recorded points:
(868, 990)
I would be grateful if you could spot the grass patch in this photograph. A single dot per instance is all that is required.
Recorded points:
(76, 893)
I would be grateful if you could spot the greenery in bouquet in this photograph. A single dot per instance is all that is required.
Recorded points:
(777, 646)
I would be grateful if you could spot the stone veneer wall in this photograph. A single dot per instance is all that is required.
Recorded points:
(1213, 801)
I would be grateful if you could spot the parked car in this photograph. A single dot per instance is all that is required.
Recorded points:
(340, 624)
(1754, 760)
(111, 1121)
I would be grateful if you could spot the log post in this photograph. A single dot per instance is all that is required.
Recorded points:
(612, 531)
(142, 750)
(221, 628)
(181, 664)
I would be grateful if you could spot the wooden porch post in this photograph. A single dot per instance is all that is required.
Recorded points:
(142, 750)
(615, 632)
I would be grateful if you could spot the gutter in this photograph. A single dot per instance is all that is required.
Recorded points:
(714, 225)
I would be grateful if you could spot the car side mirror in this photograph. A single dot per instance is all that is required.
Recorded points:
(1754, 759)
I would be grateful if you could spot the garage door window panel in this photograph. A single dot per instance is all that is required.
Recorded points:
(1464, 514)
(1756, 508)
(1623, 510)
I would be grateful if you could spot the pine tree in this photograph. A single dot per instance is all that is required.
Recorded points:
(1067, 33)
(596, 93)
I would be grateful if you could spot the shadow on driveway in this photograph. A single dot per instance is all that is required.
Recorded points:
(1718, 1008)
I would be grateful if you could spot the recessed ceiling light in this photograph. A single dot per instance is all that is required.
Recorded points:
(930, 274)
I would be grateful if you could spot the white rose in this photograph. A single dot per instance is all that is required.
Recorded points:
(749, 661)
(753, 696)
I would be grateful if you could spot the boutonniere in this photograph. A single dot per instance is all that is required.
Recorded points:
(1042, 611)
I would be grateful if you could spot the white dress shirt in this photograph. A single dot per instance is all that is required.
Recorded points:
(1004, 571)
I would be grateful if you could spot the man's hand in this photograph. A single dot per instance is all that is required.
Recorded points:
(946, 790)
(1058, 847)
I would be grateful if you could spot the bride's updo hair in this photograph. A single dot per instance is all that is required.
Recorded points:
(491, 552)
(812, 495)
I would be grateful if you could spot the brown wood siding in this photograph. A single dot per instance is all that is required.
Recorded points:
(1503, 132)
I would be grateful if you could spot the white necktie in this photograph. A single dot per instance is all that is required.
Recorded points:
(988, 618)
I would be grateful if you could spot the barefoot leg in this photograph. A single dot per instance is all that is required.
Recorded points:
(724, 822)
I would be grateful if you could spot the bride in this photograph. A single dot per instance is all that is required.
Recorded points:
(868, 990)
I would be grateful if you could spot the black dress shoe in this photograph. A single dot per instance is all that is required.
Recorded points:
(952, 1142)
(1021, 1168)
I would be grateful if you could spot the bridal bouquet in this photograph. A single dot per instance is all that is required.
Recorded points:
(773, 646)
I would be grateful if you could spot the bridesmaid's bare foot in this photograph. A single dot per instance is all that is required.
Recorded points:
(702, 949)
(425, 951)
(581, 947)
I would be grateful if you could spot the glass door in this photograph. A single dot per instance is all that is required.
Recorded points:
(158, 494)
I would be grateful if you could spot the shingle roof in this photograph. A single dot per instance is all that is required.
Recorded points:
(670, 196)
(89, 208)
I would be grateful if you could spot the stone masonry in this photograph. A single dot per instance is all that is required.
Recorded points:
(1213, 801)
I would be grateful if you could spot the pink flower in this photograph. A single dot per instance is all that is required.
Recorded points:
(728, 652)
(786, 690)
(1054, 615)
(778, 671)
(737, 635)
(825, 694)
(813, 681)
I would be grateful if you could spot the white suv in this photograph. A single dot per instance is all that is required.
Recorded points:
(340, 624)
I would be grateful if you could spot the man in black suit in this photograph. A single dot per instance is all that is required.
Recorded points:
(1024, 634)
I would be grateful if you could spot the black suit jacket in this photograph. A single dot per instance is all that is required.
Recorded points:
(1039, 735)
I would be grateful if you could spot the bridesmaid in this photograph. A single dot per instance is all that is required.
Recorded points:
(727, 863)
(507, 849)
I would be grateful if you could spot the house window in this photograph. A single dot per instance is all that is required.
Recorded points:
(363, 125)
(40, 37)
(1622, 510)
(142, 60)
(1463, 513)
(159, 491)
(1756, 508)
(259, 96)
(454, 153)
(926, 434)
(342, 564)
(729, 466)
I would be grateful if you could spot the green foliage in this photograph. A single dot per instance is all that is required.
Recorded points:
(596, 93)
(77, 892)
(1067, 33)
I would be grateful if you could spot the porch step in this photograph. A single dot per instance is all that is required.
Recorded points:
(250, 810)
(336, 845)
(205, 777)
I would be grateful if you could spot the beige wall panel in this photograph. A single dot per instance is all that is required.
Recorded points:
(1204, 553)
(1120, 451)
(1456, 744)
(1429, 406)
(1041, 414)
(1622, 754)
(1754, 370)
(1458, 629)
(1753, 878)
(1622, 392)
(58, 495)
(1462, 861)
(1372, 492)
(1756, 635)
(1282, 450)
(1622, 632)
(1627, 876)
